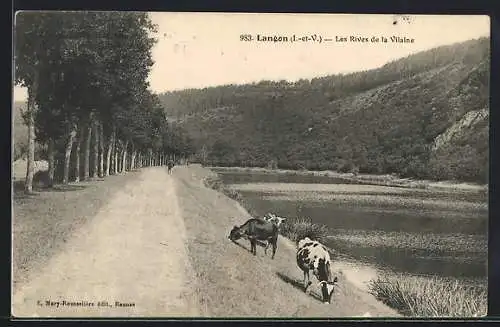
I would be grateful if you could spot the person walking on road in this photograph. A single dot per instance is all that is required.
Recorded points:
(170, 166)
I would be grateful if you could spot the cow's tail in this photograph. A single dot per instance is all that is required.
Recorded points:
(275, 233)
(324, 273)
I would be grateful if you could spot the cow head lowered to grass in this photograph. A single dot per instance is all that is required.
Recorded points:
(256, 230)
(312, 255)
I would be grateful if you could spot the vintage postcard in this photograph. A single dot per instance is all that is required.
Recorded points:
(223, 165)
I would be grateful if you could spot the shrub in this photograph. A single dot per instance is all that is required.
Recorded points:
(41, 179)
(213, 182)
(233, 194)
(300, 228)
(430, 296)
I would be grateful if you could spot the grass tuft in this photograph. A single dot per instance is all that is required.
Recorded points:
(300, 228)
(416, 296)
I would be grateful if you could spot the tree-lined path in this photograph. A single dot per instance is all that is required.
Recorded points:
(133, 251)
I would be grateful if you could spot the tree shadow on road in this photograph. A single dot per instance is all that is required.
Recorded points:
(298, 284)
(18, 189)
(65, 188)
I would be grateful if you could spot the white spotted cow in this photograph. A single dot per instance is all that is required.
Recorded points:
(312, 255)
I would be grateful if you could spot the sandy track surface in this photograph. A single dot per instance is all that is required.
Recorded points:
(161, 244)
(133, 252)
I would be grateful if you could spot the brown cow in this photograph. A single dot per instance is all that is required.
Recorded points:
(256, 230)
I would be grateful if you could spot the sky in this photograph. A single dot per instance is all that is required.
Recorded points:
(196, 50)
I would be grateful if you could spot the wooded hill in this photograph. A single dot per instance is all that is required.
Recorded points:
(422, 116)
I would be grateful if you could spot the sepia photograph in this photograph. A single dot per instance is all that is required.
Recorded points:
(249, 165)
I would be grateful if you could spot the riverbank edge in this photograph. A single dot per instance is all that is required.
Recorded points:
(376, 286)
(367, 179)
(242, 207)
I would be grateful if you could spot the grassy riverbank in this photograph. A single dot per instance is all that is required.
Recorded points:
(413, 296)
(419, 296)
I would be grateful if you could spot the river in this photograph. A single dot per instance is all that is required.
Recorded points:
(413, 231)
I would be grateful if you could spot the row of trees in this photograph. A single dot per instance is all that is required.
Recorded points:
(88, 97)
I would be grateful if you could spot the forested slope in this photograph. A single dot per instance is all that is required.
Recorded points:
(423, 116)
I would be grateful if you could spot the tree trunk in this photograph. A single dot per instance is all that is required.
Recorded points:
(51, 160)
(86, 163)
(119, 160)
(78, 151)
(116, 150)
(124, 158)
(95, 161)
(132, 158)
(114, 167)
(30, 121)
(110, 149)
(101, 150)
(30, 168)
(67, 154)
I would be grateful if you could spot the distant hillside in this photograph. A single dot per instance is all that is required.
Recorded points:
(423, 116)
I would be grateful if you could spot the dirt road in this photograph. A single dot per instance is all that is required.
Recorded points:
(160, 248)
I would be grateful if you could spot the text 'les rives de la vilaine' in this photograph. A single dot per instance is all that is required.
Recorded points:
(317, 38)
